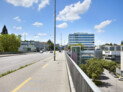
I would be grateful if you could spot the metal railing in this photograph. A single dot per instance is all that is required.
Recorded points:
(81, 81)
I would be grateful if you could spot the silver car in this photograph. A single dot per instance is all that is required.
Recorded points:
(120, 78)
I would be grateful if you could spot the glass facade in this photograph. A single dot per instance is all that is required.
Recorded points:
(87, 40)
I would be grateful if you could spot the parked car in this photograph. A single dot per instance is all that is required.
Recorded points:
(51, 51)
(41, 51)
(120, 79)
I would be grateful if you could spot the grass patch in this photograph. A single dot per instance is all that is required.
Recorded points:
(8, 72)
(98, 83)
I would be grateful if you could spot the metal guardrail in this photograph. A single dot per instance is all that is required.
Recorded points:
(81, 81)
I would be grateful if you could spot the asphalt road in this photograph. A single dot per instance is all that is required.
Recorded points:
(16, 61)
(44, 76)
(110, 84)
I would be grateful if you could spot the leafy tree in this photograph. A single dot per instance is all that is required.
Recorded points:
(83, 67)
(4, 30)
(92, 68)
(109, 65)
(50, 43)
(56, 47)
(112, 66)
(10, 43)
(121, 42)
(94, 76)
(79, 44)
(1, 47)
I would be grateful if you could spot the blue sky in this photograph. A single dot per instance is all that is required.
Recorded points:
(35, 19)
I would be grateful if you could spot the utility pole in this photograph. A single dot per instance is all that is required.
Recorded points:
(54, 29)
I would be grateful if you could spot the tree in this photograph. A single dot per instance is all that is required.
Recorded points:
(92, 68)
(79, 44)
(10, 43)
(4, 30)
(57, 48)
(83, 67)
(50, 43)
(112, 66)
(109, 65)
(1, 47)
(121, 42)
(94, 76)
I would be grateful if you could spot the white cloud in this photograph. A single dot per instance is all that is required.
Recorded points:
(25, 34)
(63, 25)
(24, 3)
(17, 19)
(36, 37)
(39, 35)
(100, 42)
(37, 24)
(29, 3)
(42, 34)
(17, 28)
(73, 11)
(43, 4)
(102, 25)
(100, 31)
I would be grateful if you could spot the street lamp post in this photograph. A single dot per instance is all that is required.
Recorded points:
(54, 29)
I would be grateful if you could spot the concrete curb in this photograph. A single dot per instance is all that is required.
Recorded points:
(72, 88)
(8, 55)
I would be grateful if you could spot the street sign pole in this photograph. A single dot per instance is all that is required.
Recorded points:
(54, 29)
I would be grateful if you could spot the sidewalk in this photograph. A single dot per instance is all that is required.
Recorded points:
(52, 77)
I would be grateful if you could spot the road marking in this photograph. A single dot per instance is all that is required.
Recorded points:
(45, 65)
(21, 85)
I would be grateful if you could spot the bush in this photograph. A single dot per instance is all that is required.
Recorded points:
(98, 83)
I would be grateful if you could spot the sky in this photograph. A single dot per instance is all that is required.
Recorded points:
(35, 19)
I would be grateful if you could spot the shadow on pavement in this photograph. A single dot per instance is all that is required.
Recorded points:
(102, 77)
(105, 84)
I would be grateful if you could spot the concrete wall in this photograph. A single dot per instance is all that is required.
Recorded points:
(122, 61)
(81, 81)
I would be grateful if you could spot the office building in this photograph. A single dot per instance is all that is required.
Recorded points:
(98, 52)
(112, 53)
(87, 40)
(84, 38)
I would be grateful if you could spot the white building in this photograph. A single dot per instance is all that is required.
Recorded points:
(112, 52)
(32, 46)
